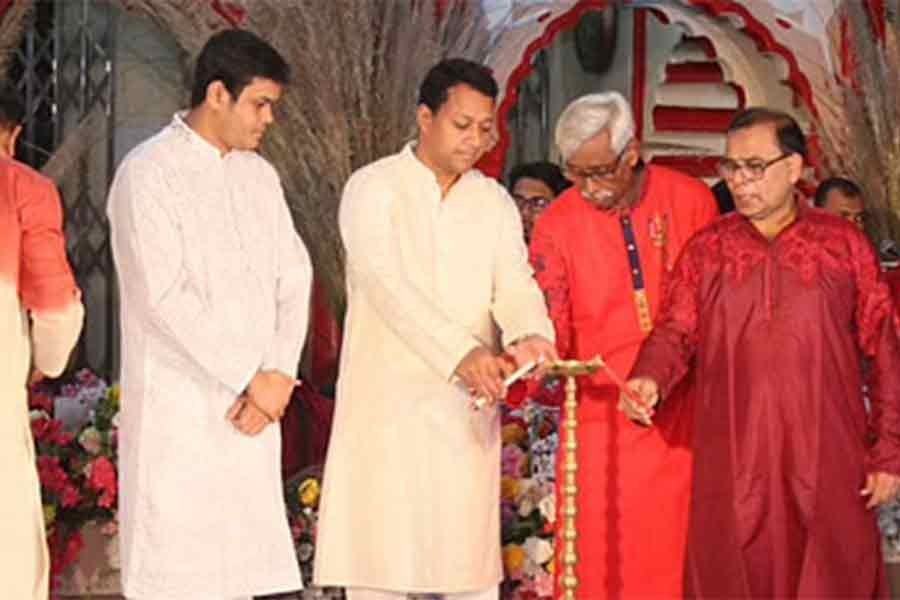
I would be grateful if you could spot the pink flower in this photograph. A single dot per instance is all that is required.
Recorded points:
(50, 431)
(103, 479)
(87, 377)
(543, 585)
(42, 427)
(513, 461)
(53, 477)
(47, 431)
(40, 401)
(524, 593)
(70, 496)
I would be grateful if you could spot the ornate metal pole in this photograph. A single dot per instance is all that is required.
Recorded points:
(570, 369)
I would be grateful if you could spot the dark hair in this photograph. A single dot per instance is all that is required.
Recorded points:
(12, 109)
(724, 198)
(452, 72)
(544, 171)
(788, 133)
(845, 186)
(235, 57)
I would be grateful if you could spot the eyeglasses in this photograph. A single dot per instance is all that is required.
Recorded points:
(754, 169)
(539, 202)
(595, 175)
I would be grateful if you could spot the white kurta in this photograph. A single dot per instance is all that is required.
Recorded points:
(411, 492)
(215, 286)
(40, 319)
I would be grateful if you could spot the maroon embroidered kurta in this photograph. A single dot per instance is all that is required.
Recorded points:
(782, 440)
(590, 263)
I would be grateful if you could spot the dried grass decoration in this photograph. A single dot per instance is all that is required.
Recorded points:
(859, 114)
(356, 69)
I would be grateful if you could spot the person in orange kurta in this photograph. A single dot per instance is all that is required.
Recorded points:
(601, 254)
(40, 319)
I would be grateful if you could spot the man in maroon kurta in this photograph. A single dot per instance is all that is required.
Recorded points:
(601, 253)
(774, 305)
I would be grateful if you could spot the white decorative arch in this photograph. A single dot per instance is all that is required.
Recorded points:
(794, 35)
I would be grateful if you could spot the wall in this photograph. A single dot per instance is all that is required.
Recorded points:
(566, 81)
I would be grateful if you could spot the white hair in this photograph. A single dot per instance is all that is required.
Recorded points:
(590, 115)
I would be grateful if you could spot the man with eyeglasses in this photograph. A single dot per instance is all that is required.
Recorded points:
(771, 308)
(601, 253)
(534, 186)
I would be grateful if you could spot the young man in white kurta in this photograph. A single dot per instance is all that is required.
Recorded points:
(215, 289)
(435, 265)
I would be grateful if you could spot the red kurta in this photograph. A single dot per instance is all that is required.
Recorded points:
(782, 441)
(630, 544)
(893, 279)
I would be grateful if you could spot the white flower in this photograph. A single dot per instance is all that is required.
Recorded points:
(531, 569)
(91, 440)
(538, 550)
(526, 506)
(547, 506)
(305, 551)
(115, 421)
(34, 415)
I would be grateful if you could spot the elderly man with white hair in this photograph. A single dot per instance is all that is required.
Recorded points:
(602, 253)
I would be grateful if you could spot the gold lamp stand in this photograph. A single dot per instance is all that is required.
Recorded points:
(570, 369)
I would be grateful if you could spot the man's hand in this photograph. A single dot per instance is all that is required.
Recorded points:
(483, 373)
(642, 395)
(246, 417)
(533, 348)
(881, 488)
(270, 392)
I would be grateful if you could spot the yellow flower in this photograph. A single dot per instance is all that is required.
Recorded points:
(49, 515)
(113, 395)
(308, 492)
(551, 566)
(513, 434)
(509, 488)
(513, 558)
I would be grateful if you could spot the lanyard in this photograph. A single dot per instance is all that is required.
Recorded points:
(641, 302)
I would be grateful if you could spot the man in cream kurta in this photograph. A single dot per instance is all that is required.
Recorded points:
(40, 319)
(435, 265)
(215, 289)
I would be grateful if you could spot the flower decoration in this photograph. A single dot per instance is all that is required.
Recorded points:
(528, 501)
(301, 496)
(76, 462)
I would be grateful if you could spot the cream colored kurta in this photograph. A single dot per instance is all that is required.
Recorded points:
(411, 492)
(215, 286)
(40, 319)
